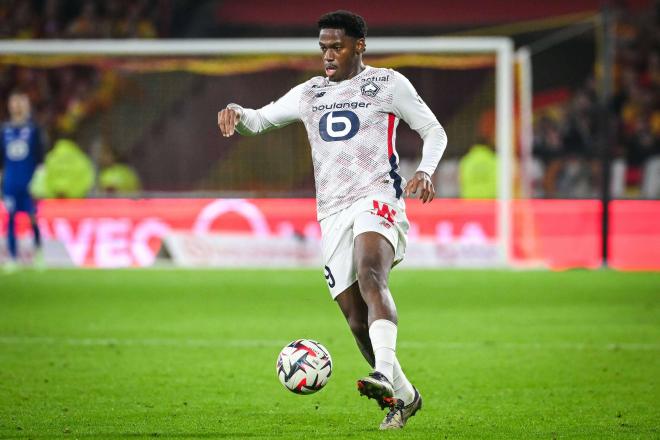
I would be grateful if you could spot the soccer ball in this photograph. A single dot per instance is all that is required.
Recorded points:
(304, 366)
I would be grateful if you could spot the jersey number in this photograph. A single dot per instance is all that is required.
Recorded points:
(329, 277)
(339, 125)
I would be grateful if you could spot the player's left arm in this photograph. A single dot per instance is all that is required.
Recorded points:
(408, 106)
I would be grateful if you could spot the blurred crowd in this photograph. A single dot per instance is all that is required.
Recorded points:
(567, 141)
(61, 98)
(567, 137)
(64, 97)
(25, 19)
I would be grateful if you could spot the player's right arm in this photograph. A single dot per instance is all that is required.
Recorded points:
(247, 121)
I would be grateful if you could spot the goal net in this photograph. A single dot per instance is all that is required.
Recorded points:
(152, 105)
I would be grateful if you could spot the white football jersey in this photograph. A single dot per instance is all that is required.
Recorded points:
(351, 127)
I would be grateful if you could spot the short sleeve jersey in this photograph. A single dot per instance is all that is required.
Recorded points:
(351, 126)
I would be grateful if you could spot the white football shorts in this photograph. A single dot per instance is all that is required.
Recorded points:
(383, 214)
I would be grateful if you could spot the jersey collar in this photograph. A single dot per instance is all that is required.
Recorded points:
(335, 83)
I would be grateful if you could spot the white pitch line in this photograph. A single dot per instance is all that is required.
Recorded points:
(141, 342)
(255, 343)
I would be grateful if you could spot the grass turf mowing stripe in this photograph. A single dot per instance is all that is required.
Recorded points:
(191, 354)
(249, 343)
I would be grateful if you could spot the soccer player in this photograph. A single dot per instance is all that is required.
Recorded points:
(21, 151)
(351, 115)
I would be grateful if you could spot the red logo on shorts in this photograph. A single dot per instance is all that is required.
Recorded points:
(384, 211)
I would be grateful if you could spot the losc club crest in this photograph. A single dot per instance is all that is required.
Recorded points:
(317, 94)
(370, 89)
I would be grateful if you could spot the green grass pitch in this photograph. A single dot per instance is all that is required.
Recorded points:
(191, 354)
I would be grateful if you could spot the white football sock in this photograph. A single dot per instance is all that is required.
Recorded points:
(403, 389)
(383, 340)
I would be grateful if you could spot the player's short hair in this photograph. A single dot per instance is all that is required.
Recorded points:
(352, 24)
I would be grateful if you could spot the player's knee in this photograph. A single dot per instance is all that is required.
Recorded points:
(371, 279)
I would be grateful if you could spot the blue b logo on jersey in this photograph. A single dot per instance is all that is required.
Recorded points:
(339, 125)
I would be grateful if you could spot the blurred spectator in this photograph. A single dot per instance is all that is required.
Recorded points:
(64, 97)
(25, 19)
(136, 23)
(61, 97)
(642, 144)
(478, 173)
(117, 177)
(52, 26)
(581, 168)
(580, 133)
(637, 99)
(651, 182)
(567, 145)
(549, 149)
(69, 173)
(87, 24)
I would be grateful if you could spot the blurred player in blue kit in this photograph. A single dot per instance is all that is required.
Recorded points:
(21, 152)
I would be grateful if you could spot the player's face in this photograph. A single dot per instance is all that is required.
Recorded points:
(342, 55)
(19, 106)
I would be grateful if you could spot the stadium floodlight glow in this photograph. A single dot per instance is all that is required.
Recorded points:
(501, 47)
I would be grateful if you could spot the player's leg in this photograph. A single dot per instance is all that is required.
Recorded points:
(25, 203)
(38, 260)
(338, 245)
(10, 205)
(374, 257)
(35, 231)
(355, 311)
(11, 236)
(379, 244)
(341, 277)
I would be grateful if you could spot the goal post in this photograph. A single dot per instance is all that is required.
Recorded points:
(501, 48)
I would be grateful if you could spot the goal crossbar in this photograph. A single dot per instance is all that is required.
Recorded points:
(250, 46)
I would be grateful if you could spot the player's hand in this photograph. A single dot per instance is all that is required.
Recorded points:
(227, 120)
(420, 184)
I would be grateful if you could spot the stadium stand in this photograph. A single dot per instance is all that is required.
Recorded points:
(565, 142)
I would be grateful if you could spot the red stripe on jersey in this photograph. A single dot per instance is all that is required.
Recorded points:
(390, 135)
